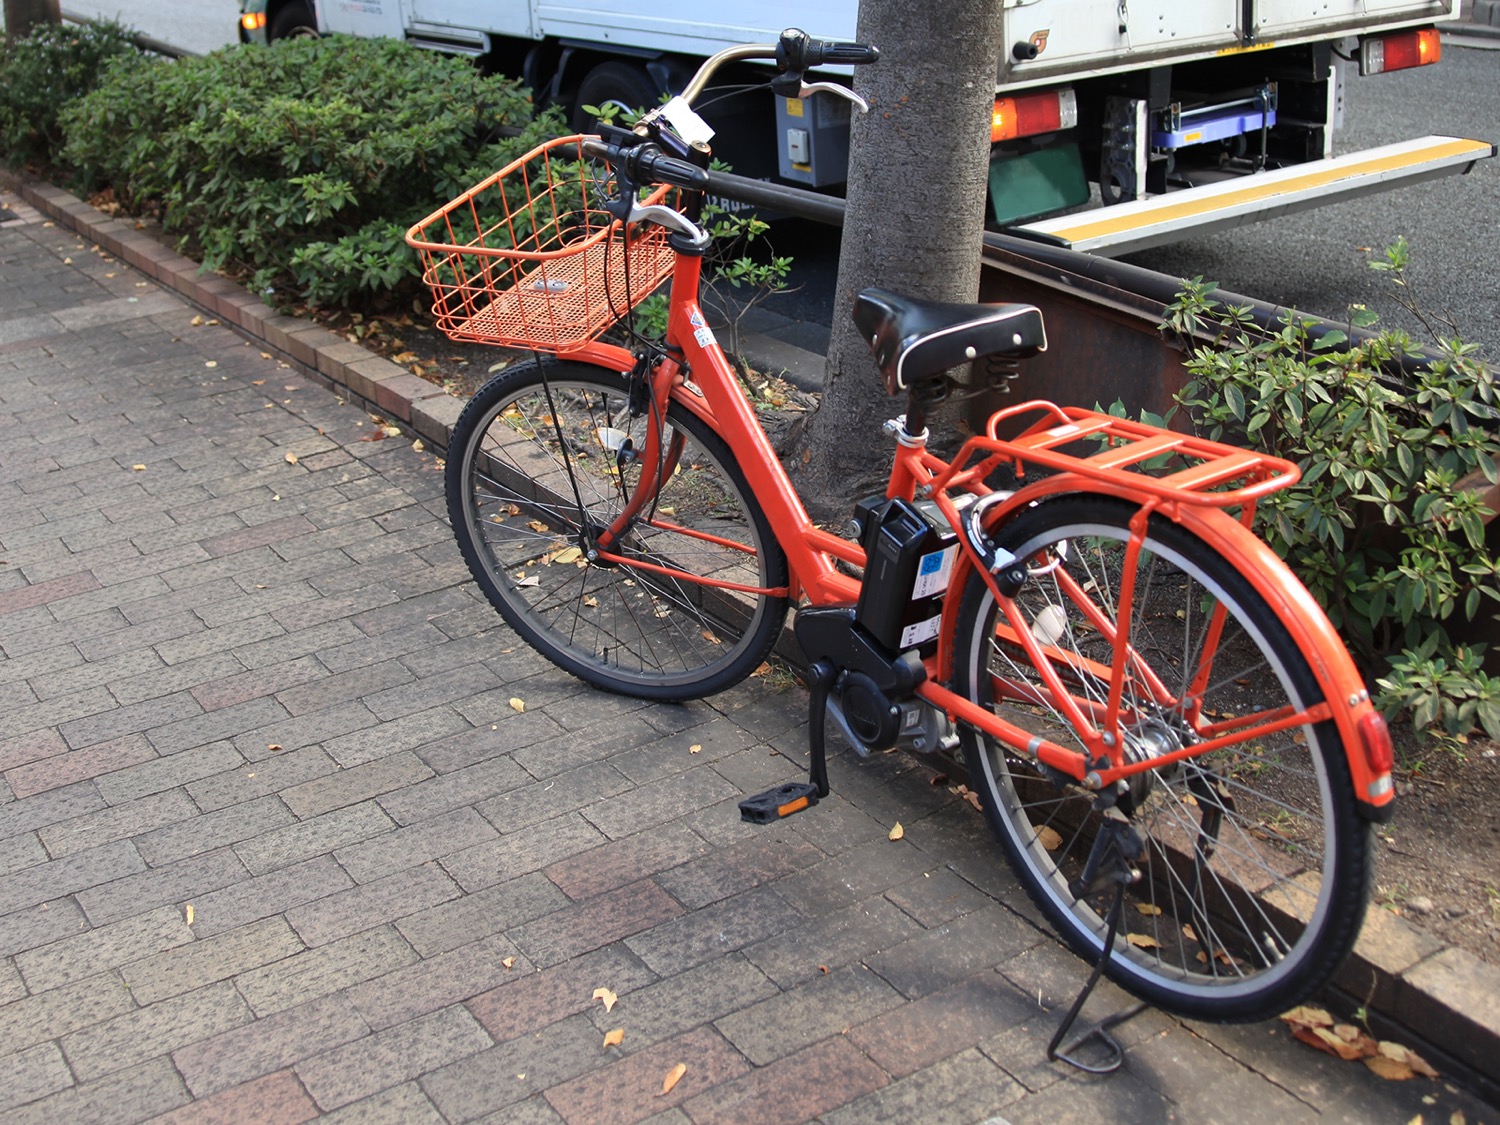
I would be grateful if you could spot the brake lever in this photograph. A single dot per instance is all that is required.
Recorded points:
(672, 220)
(810, 88)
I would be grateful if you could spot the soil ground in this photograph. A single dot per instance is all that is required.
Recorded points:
(1438, 858)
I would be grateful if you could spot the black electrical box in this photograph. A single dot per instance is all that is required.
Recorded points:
(909, 554)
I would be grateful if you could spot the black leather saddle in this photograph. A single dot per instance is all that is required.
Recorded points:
(914, 340)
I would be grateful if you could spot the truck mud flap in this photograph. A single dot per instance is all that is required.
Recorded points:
(1143, 223)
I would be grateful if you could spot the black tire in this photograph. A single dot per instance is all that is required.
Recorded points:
(1235, 920)
(512, 503)
(624, 85)
(293, 21)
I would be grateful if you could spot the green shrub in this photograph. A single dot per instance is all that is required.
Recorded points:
(1386, 526)
(302, 163)
(45, 71)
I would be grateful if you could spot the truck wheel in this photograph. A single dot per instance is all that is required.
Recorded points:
(293, 21)
(620, 84)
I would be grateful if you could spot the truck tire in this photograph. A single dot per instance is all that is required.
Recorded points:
(293, 21)
(616, 83)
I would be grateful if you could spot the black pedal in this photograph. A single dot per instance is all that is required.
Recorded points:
(783, 801)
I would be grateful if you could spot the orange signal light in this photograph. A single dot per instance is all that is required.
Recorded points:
(1025, 115)
(1401, 50)
(253, 21)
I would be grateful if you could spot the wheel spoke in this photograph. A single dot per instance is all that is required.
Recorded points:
(540, 470)
(1254, 866)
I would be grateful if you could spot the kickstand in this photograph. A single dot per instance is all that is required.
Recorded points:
(1109, 863)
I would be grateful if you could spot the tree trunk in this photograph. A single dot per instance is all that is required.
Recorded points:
(22, 15)
(918, 169)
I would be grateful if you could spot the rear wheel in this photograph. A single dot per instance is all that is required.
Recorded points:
(542, 460)
(623, 86)
(293, 21)
(1257, 865)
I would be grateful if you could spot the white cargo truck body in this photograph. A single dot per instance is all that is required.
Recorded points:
(1188, 116)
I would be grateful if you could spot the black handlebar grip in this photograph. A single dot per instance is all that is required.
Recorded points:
(853, 54)
(797, 52)
(654, 166)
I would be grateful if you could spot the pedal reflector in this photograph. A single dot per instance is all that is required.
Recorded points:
(773, 804)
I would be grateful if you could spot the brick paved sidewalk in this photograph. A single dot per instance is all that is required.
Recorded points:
(274, 843)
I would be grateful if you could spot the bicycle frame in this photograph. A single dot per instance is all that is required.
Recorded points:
(696, 375)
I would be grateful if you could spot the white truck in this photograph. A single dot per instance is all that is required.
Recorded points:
(1187, 116)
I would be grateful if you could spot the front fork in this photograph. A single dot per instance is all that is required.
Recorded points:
(655, 375)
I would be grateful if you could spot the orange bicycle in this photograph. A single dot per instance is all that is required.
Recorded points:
(1148, 703)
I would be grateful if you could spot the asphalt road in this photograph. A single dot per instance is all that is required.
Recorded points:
(1317, 260)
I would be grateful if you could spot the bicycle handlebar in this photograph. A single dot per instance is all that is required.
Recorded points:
(645, 163)
(638, 160)
(798, 52)
(794, 53)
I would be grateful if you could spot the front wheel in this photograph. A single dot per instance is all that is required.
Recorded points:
(542, 460)
(1256, 865)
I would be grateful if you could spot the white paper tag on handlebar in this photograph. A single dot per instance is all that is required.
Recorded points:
(686, 123)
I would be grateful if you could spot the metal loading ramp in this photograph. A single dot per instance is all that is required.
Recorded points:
(1138, 225)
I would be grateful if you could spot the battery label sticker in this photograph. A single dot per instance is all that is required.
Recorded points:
(704, 336)
(933, 572)
(920, 632)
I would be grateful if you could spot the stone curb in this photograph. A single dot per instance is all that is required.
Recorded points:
(1441, 1000)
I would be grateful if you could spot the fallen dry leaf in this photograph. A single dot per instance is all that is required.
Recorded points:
(508, 962)
(896, 832)
(673, 1077)
(517, 704)
(1328, 1039)
(1049, 838)
(1309, 1016)
(613, 1038)
(567, 555)
(1406, 1056)
(418, 446)
(609, 998)
(139, 468)
(189, 912)
(695, 748)
(1390, 1069)
(291, 458)
(273, 746)
(1142, 941)
(1148, 908)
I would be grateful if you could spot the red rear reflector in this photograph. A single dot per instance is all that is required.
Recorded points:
(1377, 739)
(1401, 50)
(1026, 115)
(792, 806)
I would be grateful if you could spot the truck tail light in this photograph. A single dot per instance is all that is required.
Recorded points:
(1400, 50)
(1025, 115)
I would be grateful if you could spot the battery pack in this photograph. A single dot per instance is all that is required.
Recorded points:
(909, 554)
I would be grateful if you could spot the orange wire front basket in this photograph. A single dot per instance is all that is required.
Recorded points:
(529, 258)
